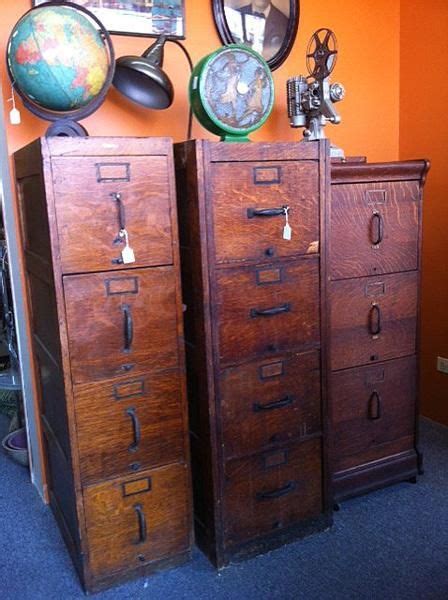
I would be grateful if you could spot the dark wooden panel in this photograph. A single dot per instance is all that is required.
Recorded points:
(240, 298)
(358, 171)
(272, 490)
(362, 307)
(87, 211)
(138, 519)
(241, 187)
(270, 402)
(374, 228)
(149, 295)
(371, 406)
(129, 424)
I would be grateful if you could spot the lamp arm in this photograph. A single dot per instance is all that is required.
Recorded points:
(190, 64)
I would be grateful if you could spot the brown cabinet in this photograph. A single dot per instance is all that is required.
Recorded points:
(108, 347)
(373, 254)
(254, 345)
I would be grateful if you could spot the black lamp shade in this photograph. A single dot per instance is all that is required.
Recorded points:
(142, 79)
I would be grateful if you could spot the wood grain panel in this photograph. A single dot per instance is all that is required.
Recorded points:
(129, 424)
(137, 520)
(88, 213)
(270, 491)
(239, 187)
(374, 228)
(270, 402)
(91, 308)
(242, 332)
(359, 307)
(371, 406)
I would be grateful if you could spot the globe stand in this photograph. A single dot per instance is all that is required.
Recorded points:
(65, 122)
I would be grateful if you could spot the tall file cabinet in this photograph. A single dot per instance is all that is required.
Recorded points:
(374, 241)
(253, 341)
(108, 348)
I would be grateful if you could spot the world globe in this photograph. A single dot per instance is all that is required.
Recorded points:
(60, 60)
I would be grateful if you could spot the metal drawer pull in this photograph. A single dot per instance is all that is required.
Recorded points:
(374, 407)
(283, 491)
(286, 401)
(374, 319)
(265, 212)
(142, 531)
(128, 327)
(269, 312)
(121, 216)
(376, 229)
(131, 412)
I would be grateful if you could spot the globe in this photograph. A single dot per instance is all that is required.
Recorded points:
(59, 61)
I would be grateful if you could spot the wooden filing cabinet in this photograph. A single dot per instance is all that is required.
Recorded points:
(108, 348)
(253, 341)
(374, 257)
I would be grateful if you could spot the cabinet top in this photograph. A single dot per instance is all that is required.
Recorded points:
(363, 172)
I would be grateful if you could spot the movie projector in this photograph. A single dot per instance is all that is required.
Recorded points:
(311, 99)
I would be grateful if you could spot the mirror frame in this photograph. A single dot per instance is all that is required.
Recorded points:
(281, 55)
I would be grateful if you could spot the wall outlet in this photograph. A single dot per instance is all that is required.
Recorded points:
(442, 364)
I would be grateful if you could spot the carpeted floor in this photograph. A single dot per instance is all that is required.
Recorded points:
(389, 545)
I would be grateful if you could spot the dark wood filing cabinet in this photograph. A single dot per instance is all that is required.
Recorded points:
(373, 257)
(253, 341)
(108, 347)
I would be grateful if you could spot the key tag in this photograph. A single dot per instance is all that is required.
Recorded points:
(287, 231)
(127, 254)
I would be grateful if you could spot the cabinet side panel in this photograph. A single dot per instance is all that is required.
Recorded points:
(189, 178)
(47, 352)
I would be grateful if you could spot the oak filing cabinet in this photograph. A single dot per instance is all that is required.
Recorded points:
(253, 341)
(373, 253)
(108, 348)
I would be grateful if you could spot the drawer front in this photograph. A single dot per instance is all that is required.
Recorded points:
(138, 519)
(270, 402)
(121, 323)
(373, 319)
(105, 194)
(267, 309)
(273, 490)
(374, 228)
(241, 189)
(372, 406)
(129, 424)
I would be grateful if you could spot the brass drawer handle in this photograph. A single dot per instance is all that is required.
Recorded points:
(374, 320)
(286, 401)
(374, 406)
(283, 491)
(142, 529)
(269, 312)
(136, 430)
(265, 212)
(376, 229)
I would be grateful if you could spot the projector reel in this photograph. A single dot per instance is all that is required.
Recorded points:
(321, 53)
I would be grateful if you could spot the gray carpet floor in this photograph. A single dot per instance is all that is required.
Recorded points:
(389, 545)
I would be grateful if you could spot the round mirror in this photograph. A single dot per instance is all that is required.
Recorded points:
(267, 26)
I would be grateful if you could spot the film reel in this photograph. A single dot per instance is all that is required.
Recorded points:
(321, 53)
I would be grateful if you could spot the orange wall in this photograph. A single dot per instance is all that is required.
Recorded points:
(369, 76)
(424, 132)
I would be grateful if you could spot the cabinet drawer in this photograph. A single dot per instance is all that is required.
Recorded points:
(272, 490)
(88, 211)
(373, 319)
(374, 228)
(120, 323)
(136, 520)
(267, 309)
(372, 406)
(129, 424)
(241, 188)
(270, 402)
